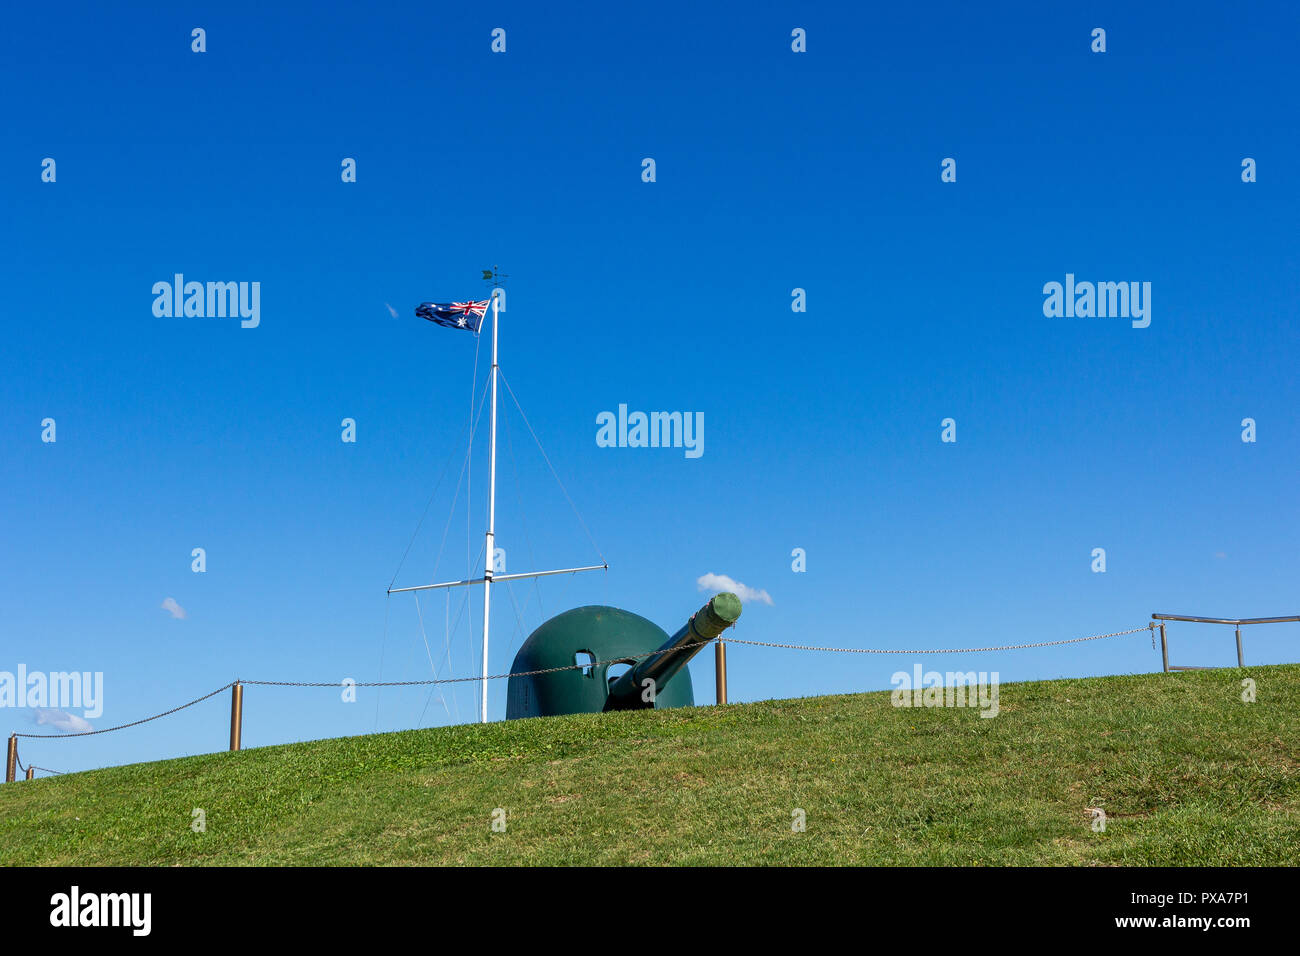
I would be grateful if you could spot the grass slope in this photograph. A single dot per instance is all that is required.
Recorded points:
(1186, 771)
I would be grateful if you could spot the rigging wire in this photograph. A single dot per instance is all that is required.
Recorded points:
(577, 513)
(451, 514)
(465, 480)
(383, 643)
(452, 511)
(463, 605)
(471, 427)
(415, 534)
(432, 667)
(519, 622)
(523, 518)
(446, 647)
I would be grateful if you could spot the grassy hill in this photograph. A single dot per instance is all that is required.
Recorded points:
(1186, 772)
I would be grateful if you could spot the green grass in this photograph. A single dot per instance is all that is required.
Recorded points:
(1186, 772)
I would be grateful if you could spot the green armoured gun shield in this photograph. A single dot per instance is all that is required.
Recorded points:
(608, 636)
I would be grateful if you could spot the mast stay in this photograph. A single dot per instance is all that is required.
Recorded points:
(489, 578)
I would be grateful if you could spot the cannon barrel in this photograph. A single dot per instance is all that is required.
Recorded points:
(722, 611)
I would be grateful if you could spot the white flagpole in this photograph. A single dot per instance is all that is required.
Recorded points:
(492, 510)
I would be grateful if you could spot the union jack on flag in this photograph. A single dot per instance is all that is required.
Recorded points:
(455, 315)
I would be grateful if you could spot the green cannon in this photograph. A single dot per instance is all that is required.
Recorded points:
(601, 637)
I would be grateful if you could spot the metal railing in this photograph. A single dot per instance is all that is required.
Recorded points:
(1237, 622)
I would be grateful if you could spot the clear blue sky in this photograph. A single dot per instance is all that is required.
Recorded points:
(775, 170)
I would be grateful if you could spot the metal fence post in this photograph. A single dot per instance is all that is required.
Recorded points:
(236, 714)
(720, 669)
(1164, 647)
(11, 761)
(1241, 660)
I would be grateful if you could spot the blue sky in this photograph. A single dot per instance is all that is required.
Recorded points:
(774, 171)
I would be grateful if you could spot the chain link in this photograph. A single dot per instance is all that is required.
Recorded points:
(568, 667)
(944, 650)
(462, 680)
(134, 723)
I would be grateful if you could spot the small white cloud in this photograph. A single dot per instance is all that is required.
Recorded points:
(62, 720)
(720, 582)
(391, 310)
(169, 605)
(1220, 555)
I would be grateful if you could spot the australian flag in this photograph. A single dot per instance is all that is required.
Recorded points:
(455, 315)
